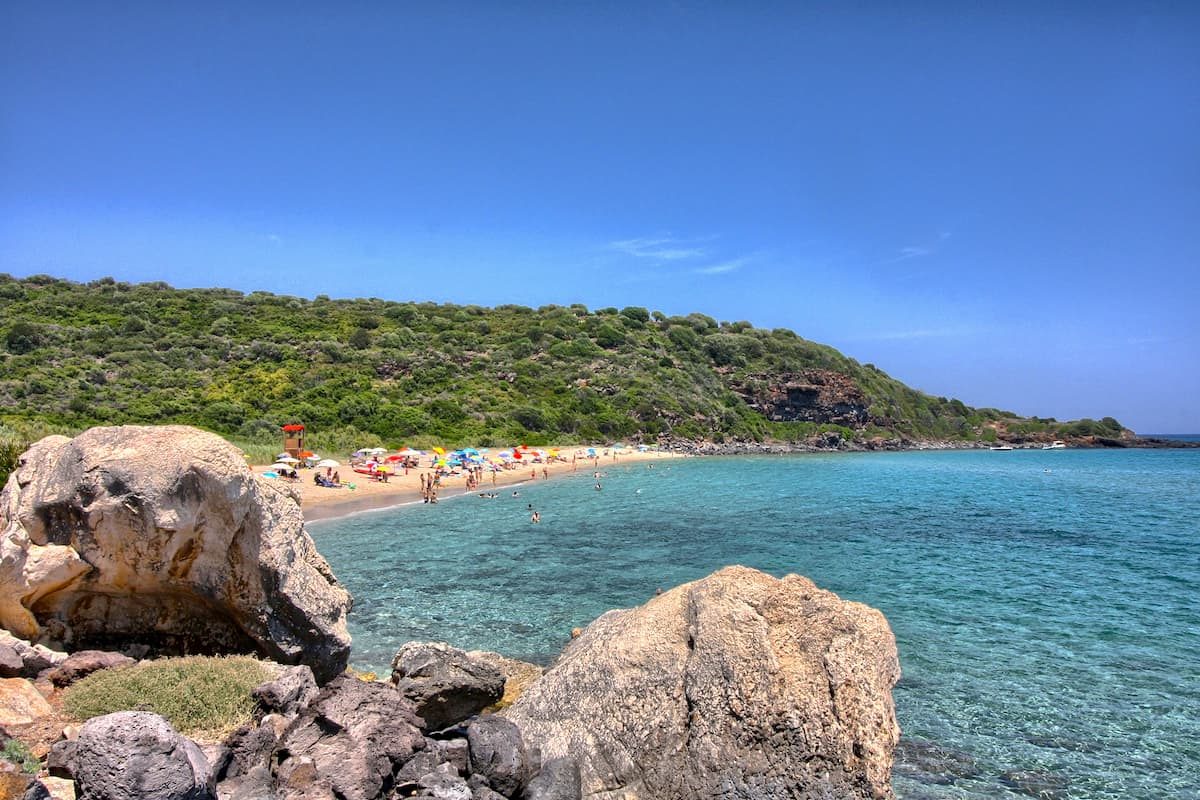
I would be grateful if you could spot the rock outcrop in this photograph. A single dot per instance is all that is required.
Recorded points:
(814, 395)
(162, 536)
(739, 685)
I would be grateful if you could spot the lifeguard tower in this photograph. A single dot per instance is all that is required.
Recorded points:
(293, 440)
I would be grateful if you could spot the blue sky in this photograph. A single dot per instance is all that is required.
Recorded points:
(998, 202)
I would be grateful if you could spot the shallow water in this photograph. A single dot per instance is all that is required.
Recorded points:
(1046, 604)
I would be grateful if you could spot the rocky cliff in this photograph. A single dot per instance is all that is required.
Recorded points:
(161, 536)
(813, 395)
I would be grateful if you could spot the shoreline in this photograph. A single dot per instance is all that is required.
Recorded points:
(318, 503)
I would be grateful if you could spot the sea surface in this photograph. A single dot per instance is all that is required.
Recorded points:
(1046, 604)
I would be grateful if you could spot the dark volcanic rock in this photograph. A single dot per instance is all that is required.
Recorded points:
(498, 753)
(289, 693)
(446, 685)
(356, 735)
(83, 663)
(136, 755)
(248, 747)
(11, 665)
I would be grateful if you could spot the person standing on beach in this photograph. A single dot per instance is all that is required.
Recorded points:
(545, 473)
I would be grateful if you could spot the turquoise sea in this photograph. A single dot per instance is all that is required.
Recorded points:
(1046, 605)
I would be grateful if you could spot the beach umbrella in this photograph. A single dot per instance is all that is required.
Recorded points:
(282, 456)
(408, 451)
(280, 465)
(377, 451)
(591, 451)
(394, 459)
(328, 462)
(471, 451)
(288, 460)
(440, 451)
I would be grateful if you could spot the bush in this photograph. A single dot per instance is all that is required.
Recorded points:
(204, 697)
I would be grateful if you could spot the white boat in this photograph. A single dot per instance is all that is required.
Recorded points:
(1055, 445)
(1001, 447)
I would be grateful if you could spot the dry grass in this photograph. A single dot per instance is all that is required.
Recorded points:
(204, 697)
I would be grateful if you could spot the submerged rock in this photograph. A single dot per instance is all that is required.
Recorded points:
(739, 685)
(162, 536)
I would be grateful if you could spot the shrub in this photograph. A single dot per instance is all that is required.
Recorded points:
(204, 697)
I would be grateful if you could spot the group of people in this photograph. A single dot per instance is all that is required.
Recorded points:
(429, 486)
(330, 480)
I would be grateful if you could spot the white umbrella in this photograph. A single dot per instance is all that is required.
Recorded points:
(376, 451)
(288, 460)
(313, 457)
(280, 465)
(328, 462)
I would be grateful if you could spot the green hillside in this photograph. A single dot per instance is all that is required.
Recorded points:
(74, 355)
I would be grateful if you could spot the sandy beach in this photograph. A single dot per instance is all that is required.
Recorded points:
(319, 502)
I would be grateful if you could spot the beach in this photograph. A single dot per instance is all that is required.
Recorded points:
(319, 502)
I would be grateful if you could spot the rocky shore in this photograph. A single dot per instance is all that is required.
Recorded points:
(833, 442)
(149, 542)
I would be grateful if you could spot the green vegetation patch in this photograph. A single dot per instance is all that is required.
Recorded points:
(204, 697)
(17, 752)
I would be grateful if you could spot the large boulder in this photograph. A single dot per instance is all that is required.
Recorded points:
(21, 702)
(136, 755)
(739, 685)
(162, 536)
(446, 684)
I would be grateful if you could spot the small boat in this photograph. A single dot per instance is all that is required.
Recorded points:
(1055, 445)
(1001, 447)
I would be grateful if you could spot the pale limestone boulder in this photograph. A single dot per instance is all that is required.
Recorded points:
(21, 702)
(162, 536)
(739, 686)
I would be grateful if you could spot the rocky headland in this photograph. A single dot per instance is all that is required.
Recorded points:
(154, 541)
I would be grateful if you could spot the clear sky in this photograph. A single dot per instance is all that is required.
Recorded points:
(994, 201)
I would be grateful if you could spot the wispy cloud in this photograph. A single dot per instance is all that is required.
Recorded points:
(723, 266)
(912, 251)
(917, 333)
(664, 248)
(274, 238)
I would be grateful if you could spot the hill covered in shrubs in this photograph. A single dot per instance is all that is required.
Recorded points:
(74, 355)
